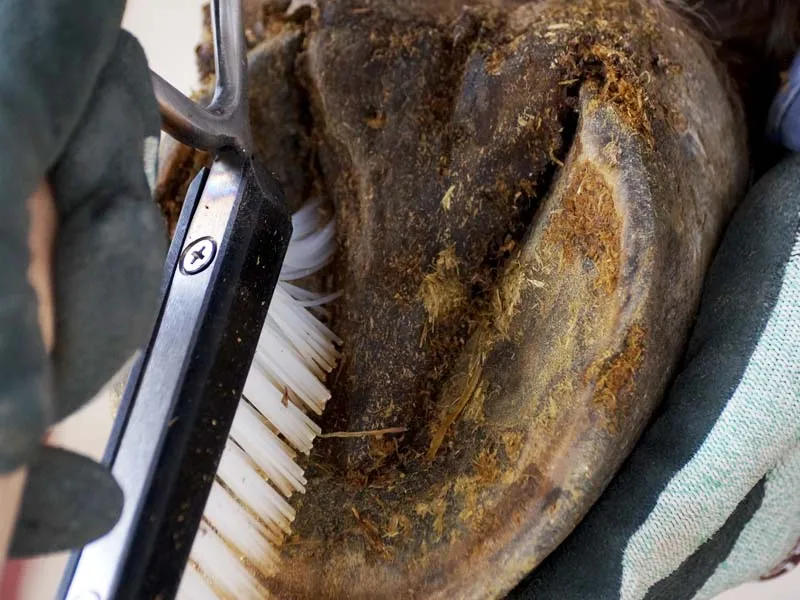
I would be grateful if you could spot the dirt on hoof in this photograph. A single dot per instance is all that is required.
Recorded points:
(527, 195)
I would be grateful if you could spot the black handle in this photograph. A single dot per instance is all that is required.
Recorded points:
(180, 403)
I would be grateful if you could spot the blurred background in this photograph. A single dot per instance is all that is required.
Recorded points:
(168, 31)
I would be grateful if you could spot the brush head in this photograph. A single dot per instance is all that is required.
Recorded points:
(181, 398)
(249, 513)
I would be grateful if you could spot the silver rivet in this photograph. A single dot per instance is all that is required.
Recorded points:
(198, 255)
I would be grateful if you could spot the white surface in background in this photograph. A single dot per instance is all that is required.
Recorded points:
(168, 31)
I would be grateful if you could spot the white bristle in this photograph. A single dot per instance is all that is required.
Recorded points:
(308, 336)
(266, 450)
(239, 474)
(223, 567)
(226, 514)
(241, 530)
(247, 515)
(307, 219)
(293, 423)
(194, 586)
(292, 372)
(307, 298)
(313, 243)
(309, 254)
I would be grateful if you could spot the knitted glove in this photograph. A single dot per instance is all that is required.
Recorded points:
(77, 110)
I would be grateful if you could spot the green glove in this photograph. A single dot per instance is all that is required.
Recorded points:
(76, 108)
(709, 497)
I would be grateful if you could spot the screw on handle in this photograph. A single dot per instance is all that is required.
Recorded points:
(198, 256)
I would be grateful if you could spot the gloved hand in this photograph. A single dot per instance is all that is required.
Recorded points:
(77, 110)
(710, 497)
